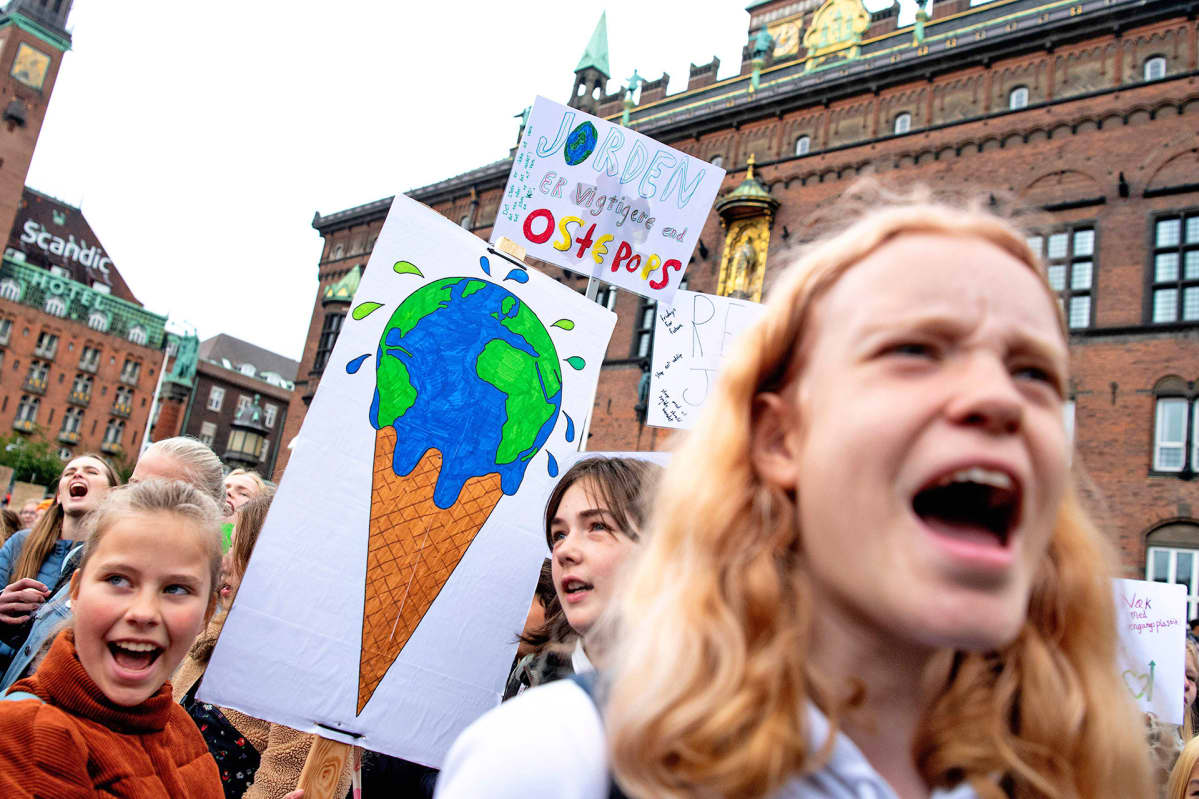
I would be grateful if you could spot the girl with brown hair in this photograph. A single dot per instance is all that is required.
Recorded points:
(867, 571)
(30, 561)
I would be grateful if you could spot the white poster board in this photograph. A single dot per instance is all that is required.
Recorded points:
(691, 340)
(393, 572)
(599, 199)
(1151, 619)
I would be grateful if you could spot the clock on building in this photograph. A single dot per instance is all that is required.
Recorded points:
(30, 65)
(786, 39)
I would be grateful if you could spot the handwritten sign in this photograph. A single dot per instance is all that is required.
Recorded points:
(691, 340)
(596, 198)
(1152, 628)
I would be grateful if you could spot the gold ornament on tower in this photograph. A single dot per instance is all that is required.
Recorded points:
(746, 213)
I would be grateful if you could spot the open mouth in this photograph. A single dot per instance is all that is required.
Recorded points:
(77, 490)
(976, 503)
(134, 655)
(575, 588)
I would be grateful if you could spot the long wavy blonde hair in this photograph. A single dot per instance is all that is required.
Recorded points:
(710, 678)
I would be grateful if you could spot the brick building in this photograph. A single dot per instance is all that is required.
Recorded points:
(232, 375)
(1088, 110)
(79, 355)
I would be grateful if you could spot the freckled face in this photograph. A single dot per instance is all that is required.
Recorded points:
(930, 451)
(139, 603)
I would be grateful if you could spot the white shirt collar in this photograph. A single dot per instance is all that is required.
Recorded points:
(579, 660)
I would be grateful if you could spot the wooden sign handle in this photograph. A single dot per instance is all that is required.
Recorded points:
(323, 768)
(507, 245)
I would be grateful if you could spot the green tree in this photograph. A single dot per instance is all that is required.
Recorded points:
(33, 459)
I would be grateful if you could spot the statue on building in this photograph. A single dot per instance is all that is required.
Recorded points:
(184, 368)
(744, 266)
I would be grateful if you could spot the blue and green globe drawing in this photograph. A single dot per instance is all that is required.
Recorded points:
(580, 143)
(460, 349)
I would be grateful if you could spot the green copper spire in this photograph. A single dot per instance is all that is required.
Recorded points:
(596, 54)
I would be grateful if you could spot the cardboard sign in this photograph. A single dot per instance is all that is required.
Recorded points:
(596, 198)
(1151, 657)
(392, 574)
(691, 340)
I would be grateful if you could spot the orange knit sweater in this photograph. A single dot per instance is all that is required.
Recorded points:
(76, 743)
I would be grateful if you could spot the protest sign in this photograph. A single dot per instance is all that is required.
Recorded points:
(1151, 619)
(393, 572)
(691, 340)
(596, 198)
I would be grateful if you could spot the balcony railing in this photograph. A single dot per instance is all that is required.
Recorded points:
(24, 425)
(110, 448)
(45, 352)
(34, 384)
(68, 436)
(80, 398)
(89, 366)
(122, 409)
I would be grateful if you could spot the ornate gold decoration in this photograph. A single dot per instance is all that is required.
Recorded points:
(786, 39)
(746, 213)
(30, 66)
(836, 26)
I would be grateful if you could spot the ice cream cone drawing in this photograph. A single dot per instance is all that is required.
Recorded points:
(468, 388)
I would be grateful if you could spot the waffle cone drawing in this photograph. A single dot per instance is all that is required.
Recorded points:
(414, 548)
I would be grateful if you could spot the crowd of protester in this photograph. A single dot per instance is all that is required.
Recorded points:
(865, 574)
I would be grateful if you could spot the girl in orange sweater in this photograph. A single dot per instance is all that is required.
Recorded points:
(97, 718)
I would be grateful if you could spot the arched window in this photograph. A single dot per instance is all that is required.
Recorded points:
(803, 145)
(55, 306)
(10, 289)
(718, 160)
(1172, 556)
(903, 123)
(137, 334)
(1175, 427)
(1155, 68)
(338, 250)
(1017, 98)
(98, 320)
(464, 221)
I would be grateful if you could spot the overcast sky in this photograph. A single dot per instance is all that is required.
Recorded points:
(200, 137)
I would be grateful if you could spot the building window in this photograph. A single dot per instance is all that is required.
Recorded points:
(903, 123)
(268, 414)
(10, 289)
(98, 320)
(72, 420)
(90, 359)
(1070, 261)
(138, 335)
(717, 160)
(247, 369)
(5, 330)
(82, 387)
(130, 371)
(329, 330)
(464, 221)
(1175, 427)
(207, 433)
(243, 402)
(47, 345)
(216, 397)
(338, 250)
(1177, 565)
(643, 336)
(100, 287)
(1155, 68)
(606, 296)
(1175, 270)
(27, 409)
(1017, 98)
(114, 431)
(55, 306)
(803, 145)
